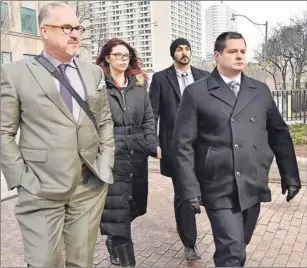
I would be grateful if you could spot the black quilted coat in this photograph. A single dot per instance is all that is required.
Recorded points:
(135, 140)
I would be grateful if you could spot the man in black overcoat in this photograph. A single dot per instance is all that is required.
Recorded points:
(227, 131)
(165, 93)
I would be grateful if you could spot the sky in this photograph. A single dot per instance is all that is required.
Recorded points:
(261, 11)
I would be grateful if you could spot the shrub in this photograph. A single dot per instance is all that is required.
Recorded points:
(298, 133)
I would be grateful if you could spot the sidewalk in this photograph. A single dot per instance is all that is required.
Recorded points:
(279, 239)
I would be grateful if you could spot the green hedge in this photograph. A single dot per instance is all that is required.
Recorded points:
(299, 133)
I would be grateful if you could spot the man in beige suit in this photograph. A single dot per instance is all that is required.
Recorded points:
(62, 165)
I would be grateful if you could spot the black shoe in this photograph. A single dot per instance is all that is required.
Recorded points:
(113, 257)
(191, 254)
(125, 254)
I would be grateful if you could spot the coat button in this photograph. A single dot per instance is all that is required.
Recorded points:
(236, 146)
(253, 119)
(131, 152)
(256, 146)
(238, 174)
(258, 173)
(232, 120)
(131, 175)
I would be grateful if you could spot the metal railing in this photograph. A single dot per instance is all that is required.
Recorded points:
(292, 104)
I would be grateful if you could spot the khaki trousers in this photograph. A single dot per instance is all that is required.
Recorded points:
(44, 224)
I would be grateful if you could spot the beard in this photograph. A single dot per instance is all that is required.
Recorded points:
(183, 60)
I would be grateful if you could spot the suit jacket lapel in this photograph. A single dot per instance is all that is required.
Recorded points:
(47, 84)
(196, 73)
(218, 88)
(88, 83)
(248, 92)
(172, 77)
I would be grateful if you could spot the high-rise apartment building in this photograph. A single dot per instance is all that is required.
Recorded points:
(217, 20)
(149, 26)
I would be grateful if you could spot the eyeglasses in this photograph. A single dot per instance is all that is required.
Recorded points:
(67, 28)
(120, 56)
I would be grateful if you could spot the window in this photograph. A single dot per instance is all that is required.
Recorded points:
(28, 20)
(6, 57)
(28, 56)
(4, 12)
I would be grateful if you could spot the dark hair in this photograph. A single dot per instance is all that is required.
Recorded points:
(220, 42)
(135, 63)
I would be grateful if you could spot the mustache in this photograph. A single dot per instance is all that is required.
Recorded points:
(74, 42)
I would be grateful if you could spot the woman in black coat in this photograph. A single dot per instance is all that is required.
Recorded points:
(135, 140)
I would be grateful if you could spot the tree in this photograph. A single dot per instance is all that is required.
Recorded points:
(299, 48)
(287, 50)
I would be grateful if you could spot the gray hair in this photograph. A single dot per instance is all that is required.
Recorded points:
(44, 13)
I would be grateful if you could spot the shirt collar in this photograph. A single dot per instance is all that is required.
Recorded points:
(56, 63)
(227, 80)
(180, 72)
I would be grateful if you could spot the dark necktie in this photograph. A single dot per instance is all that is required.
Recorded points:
(235, 87)
(63, 90)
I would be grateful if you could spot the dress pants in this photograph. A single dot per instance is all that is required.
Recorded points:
(232, 231)
(43, 223)
(185, 220)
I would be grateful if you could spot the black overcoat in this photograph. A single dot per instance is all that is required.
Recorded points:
(165, 97)
(135, 140)
(224, 146)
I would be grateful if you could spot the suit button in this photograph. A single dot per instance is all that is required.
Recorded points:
(131, 152)
(238, 174)
(236, 146)
(258, 173)
(256, 146)
(78, 127)
(232, 120)
(253, 119)
(131, 175)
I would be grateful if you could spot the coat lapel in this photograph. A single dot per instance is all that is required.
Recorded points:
(218, 88)
(47, 84)
(196, 73)
(87, 79)
(172, 77)
(248, 92)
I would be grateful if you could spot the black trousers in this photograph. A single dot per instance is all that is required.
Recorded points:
(232, 231)
(185, 220)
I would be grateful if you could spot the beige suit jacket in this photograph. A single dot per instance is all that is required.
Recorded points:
(53, 145)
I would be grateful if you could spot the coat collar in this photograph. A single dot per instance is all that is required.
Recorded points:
(218, 88)
(47, 84)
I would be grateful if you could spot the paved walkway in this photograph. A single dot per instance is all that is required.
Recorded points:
(279, 239)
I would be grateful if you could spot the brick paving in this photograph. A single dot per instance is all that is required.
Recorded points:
(279, 239)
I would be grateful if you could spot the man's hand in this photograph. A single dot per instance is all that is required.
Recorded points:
(159, 156)
(193, 204)
(292, 191)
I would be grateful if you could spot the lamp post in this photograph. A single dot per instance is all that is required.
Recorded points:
(265, 38)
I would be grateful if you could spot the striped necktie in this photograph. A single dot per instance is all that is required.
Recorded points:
(235, 87)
